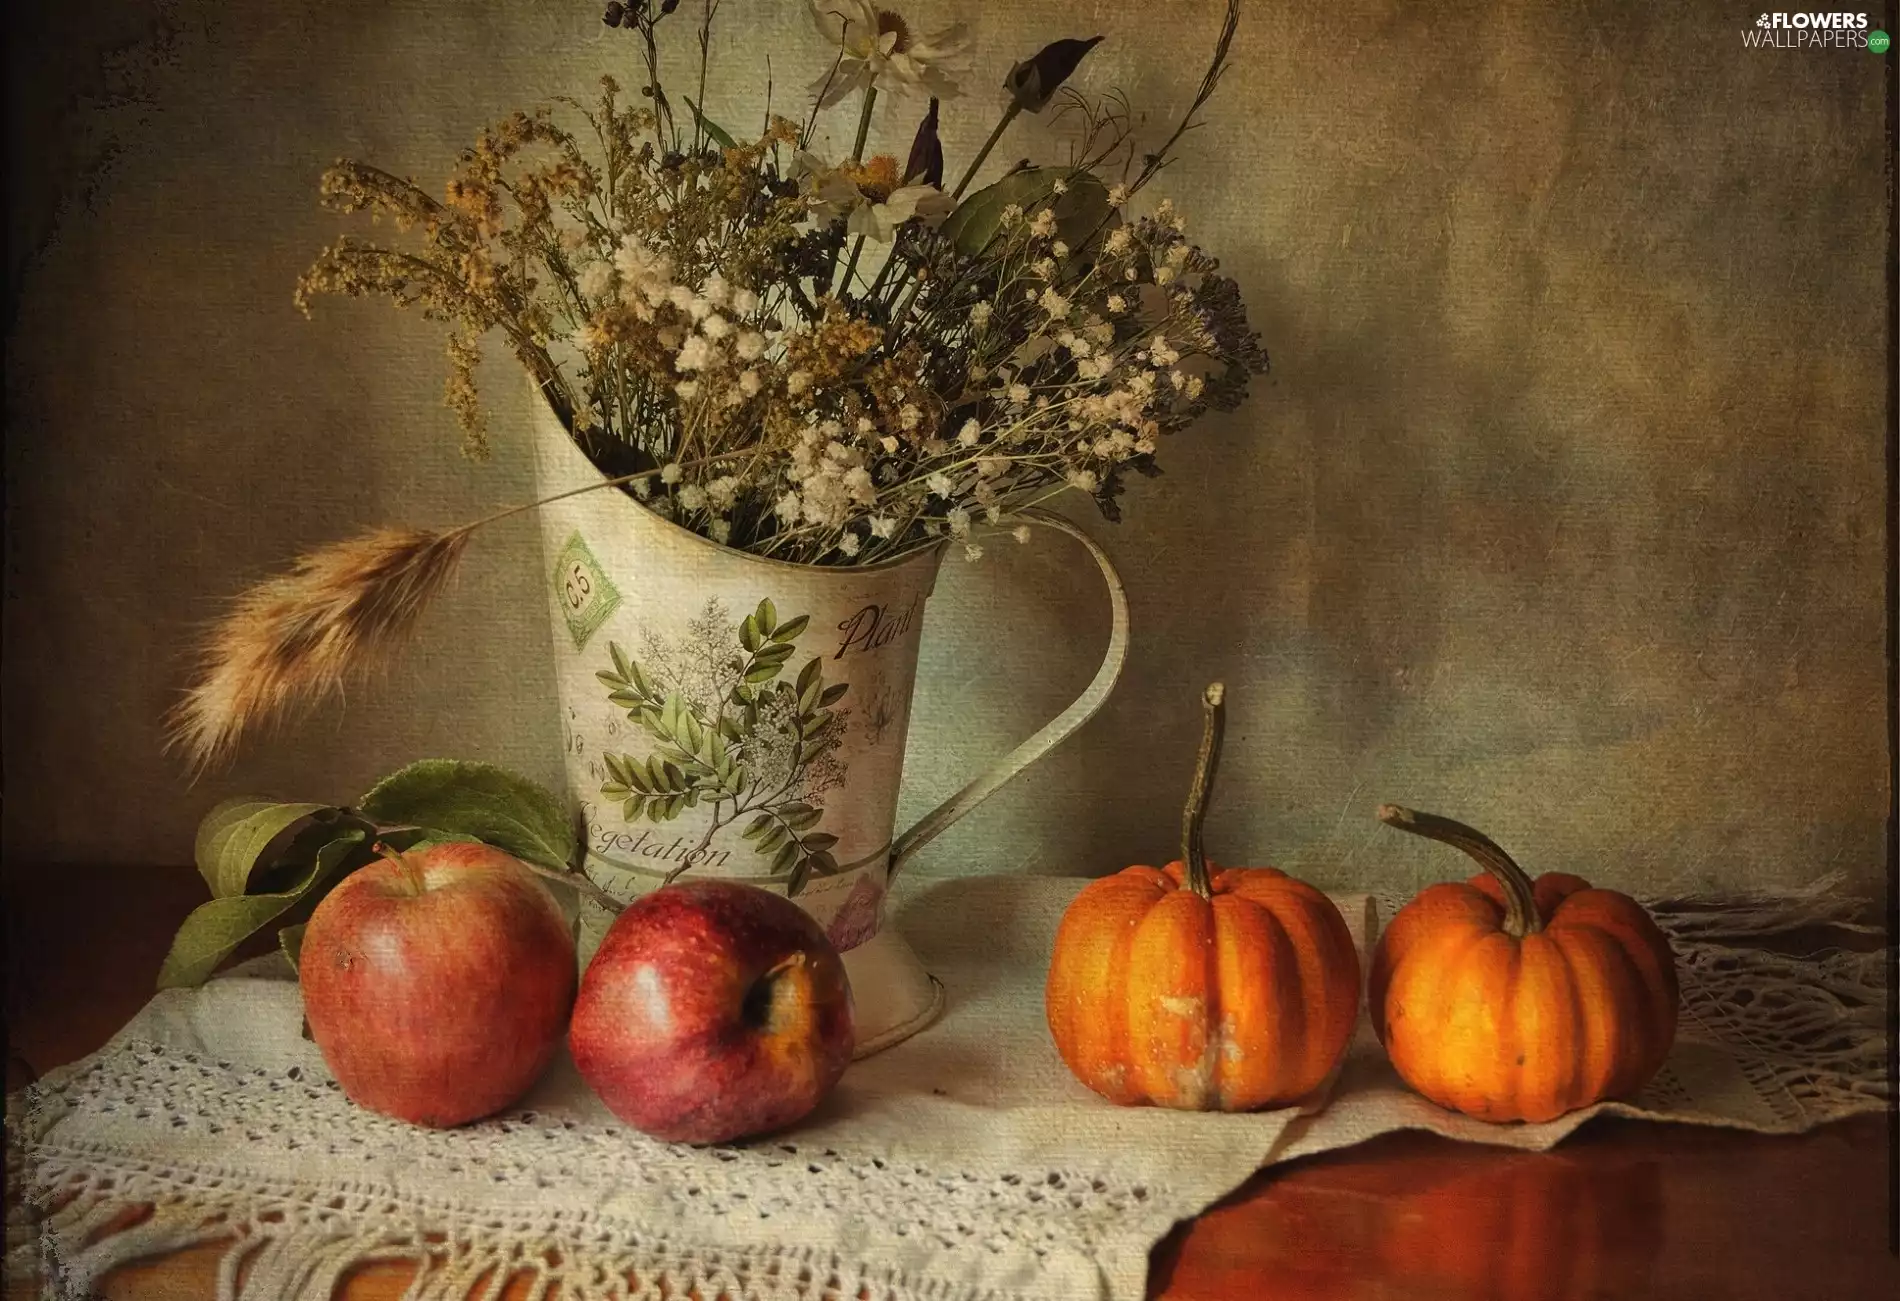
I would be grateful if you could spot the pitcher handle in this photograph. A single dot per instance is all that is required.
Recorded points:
(932, 823)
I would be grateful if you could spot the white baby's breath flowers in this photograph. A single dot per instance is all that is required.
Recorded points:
(1055, 304)
(596, 280)
(889, 443)
(670, 472)
(1117, 195)
(750, 346)
(972, 551)
(1059, 250)
(883, 526)
(1059, 186)
(1084, 479)
(692, 497)
(957, 520)
(979, 315)
(723, 492)
(1011, 214)
(715, 290)
(697, 353)
(1044, 225)
(686, 390)
(720, 530)
(788, 508)
(749, 383)
(1019, 393)
(1020, 533)
(715, 326)
(797, 382)
(1118, 241)
(970, 433)
(1116, 304)
(909, 417)
(939, 483)
(849, 544)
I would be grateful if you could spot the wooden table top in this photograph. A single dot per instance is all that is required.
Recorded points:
(1622, 1209)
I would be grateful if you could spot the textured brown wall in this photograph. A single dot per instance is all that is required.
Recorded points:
(1561, 511)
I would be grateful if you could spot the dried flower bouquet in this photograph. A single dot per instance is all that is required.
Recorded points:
(830, 361)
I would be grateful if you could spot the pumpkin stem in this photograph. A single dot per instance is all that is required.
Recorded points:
(1520, 895)
(1193, 855)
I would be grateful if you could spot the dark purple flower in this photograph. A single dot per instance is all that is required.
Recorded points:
(1032, 82)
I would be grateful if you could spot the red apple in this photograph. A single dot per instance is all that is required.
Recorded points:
(437, 983)
(712, 1011)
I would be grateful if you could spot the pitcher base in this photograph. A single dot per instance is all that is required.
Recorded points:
(893, 996)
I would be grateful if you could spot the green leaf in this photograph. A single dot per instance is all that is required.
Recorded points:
(833, 694)
(675, 779)
(788, 632)
(607, 678)
(795, 885)
(691, 732)
(1079, 213)
(802, 821)
(776, 654)
(290, 943)
(718, 135)
(235, 835)
(786, 857)
(814, 726)
(819, 841)
(768, 616)
(491, 804)
(640, 681)
(633, 808)
(823, 863)
(758, 824)
(214, 930)
(729, 728)
(671, 714)
(775, 836)
(622, 665)
(762, 672)
(813, 674)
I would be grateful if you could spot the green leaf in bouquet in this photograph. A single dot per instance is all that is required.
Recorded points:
(768, 617)
(479, 800)
(833, 694)
(234, 837)
(214, 930)
(717, 134)
(789, 630)
(1080, 213)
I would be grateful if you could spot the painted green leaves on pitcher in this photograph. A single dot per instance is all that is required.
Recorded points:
(733, 735)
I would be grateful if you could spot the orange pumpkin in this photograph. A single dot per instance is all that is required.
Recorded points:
(1509, 999)
(1198, 988)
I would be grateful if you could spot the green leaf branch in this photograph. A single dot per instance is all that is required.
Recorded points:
(714, 759)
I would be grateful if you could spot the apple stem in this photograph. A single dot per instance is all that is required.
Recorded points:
(411, 873)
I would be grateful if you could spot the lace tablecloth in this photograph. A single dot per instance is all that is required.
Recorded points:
(962, 1165)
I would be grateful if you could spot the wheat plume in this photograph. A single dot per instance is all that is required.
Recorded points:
(295, 638)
